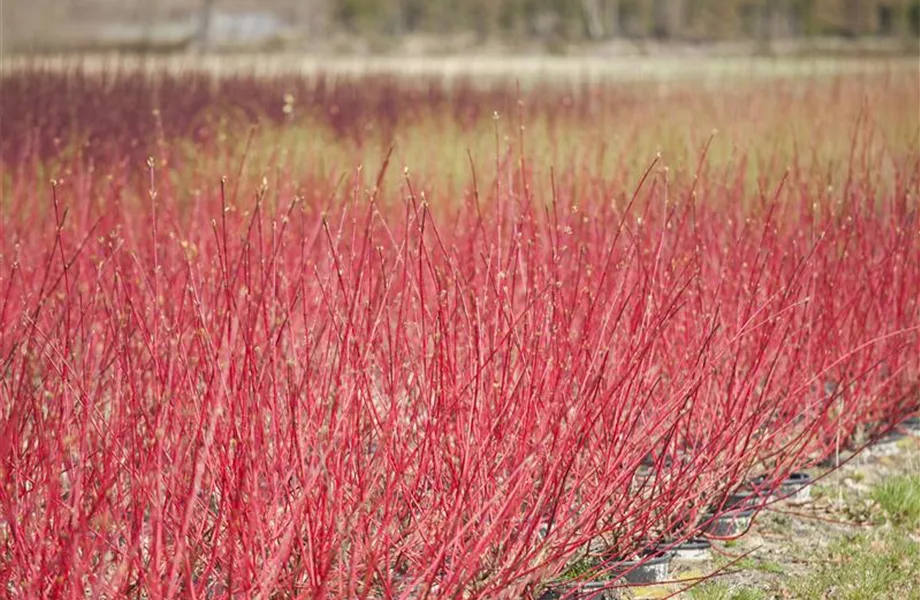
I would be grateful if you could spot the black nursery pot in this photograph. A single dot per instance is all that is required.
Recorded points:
(653, 569)
(744, 499)
(730, 524)
(590, 590)
(647, 570)
(911, 425)
(693, 549)
(796, 488)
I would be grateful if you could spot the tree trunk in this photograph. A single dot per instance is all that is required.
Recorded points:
(613, 17)
(853, 16)
(765, 27)
(313, 17)
(667, 17)
(203, 36)
(593, 18)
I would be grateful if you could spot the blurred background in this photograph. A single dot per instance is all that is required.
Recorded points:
(437, 27)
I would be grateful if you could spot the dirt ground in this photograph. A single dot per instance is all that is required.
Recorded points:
(788, 542)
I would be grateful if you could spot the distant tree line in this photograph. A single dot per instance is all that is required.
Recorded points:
(689, 20)
(55, 23)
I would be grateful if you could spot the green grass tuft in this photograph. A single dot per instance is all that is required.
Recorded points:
(862, 567)
(724, 591)
(899, 497)
(768, 566)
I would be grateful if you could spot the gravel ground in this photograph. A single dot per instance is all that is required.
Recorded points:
(789, 541)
